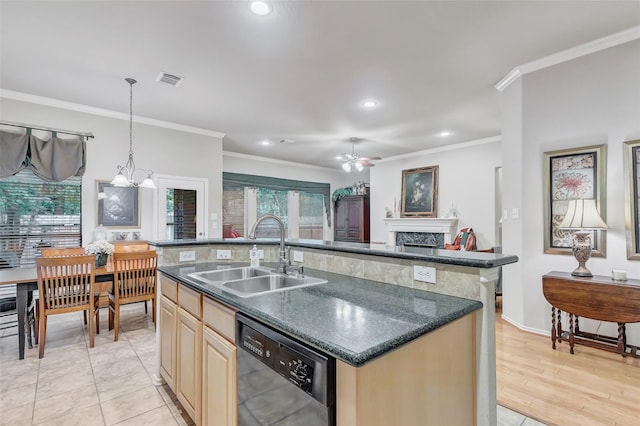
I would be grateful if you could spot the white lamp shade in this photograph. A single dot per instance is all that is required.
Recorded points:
(148, 183)
(120, 180)
(582, 214)
(359, 166)
(346, 167)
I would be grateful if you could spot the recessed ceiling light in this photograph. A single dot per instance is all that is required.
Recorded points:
(370, 103)
(445, 133)
(265, 142)
(260, 7)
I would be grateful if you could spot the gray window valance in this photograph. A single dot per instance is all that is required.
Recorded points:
(53, 160)
(237, 180)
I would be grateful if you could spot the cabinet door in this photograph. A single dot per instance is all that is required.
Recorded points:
(354, 213)
(189, 371)
(219, 380)
(341, 221)
(168, 323)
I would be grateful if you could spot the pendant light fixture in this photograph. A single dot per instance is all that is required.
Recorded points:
(125, 176)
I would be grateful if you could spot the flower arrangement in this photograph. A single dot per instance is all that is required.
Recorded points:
(99, 247)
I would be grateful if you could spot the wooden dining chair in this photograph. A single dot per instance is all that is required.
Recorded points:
(129, 246)
(135, 277)
(67, 251)
(65, 284)
(53, 252)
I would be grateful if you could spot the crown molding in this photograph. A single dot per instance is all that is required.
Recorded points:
(56, 103)
(460, 145)
(594, 46)
(275, 161)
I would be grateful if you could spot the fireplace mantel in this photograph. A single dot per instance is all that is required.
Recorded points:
(436, 225)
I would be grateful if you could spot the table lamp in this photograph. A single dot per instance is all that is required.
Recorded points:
(582, 217)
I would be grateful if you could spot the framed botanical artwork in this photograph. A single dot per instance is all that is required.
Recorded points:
(420, 192)
(632, 198)
(573, 174)
(117, 206)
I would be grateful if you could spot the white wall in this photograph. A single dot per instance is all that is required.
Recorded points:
(466, 175)
(165, 151)
(252, 165)
(591, 100)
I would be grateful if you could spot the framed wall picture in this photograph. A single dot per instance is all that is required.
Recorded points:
(117, 206)
(632, 198)
(420, 192)
(573, 174)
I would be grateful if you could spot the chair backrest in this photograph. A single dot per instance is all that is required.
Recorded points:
(66, 282)
(135, 273)
(129, 247)
(69, 251)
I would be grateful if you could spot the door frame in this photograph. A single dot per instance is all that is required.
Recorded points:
(200, 185)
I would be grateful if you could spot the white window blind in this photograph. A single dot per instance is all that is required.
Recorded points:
(34, 214)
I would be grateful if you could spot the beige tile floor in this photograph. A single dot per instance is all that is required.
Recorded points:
(73, 384)
(109, 384)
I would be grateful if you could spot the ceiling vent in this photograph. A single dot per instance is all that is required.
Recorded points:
(171, 79)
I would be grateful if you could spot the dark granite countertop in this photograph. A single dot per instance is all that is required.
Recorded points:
(353, 319)
(449, 257)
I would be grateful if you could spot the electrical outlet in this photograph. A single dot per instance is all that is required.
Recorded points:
(186, 256)
(424, 274)
(261, 254)
(298, 256)
(223, 254)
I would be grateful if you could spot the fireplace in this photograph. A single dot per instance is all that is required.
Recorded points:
(428, 231)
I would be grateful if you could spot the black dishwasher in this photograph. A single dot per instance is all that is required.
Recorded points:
(282, 381)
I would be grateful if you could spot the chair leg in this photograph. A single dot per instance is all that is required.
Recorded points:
(145, 307)
(27, 327)
(110, 318)
(97, 321)
(36, 324)
(43, 332)
(116, 324)
(91, 336)
(153, 306)
(84, 313)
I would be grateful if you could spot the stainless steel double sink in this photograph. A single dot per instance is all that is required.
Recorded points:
(250, 281)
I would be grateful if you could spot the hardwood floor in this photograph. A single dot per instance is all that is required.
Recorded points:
(592, 387)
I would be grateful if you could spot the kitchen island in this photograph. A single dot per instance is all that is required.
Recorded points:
(394, 343)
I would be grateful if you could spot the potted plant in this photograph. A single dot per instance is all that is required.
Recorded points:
(102, 249)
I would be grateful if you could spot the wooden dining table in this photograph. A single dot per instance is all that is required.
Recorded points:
(26, 280)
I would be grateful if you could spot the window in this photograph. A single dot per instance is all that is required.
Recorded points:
(275, 202)
(35, 213)
(311, 223)
(233, 211)
(295, 202)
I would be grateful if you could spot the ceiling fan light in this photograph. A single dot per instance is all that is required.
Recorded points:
(346, 167)
(359, 166)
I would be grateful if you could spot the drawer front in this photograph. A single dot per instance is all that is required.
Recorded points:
(220, 318)
(190, 300)
(169, 288)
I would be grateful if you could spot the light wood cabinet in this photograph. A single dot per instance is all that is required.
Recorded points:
(219, 380)
(189, 368)
(198, 354)
(168, 327)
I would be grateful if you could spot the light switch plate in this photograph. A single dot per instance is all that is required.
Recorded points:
(298, 256)
(186, 256)
(260, 254)
(424, 274)
(515, 213)
(223, 254)
(505, 214)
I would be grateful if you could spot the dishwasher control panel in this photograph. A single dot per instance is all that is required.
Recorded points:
(303, 366)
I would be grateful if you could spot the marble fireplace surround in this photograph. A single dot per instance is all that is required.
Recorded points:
(417, 225)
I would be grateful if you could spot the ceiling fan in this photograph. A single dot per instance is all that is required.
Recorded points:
(354, 160)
